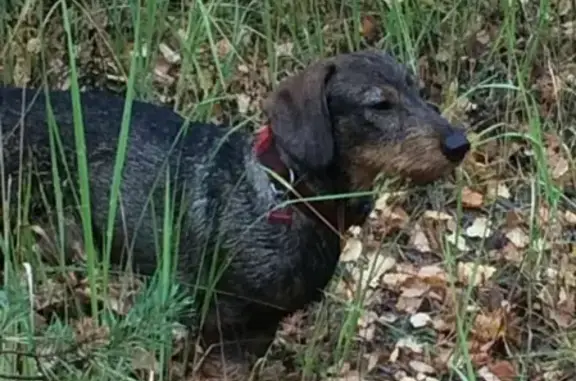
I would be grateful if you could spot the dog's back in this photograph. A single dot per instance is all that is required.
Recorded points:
(219, 187)
(157, 146)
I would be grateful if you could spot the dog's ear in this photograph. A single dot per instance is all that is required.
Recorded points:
(299, 116)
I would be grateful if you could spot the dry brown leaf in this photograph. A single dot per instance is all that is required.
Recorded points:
(170, 55)
(420, 319)
(570, 218)
(352, 250)
(369, 29)
(471, 198)
(387, 199)
(511, 253)
(243, 103)
(437, 215)
(487, 375)
(458, 241)
(393, 219)
(480, 228)
(367, 318)
(370, 274)
(161, 72)
(559, 166)
(432, 275)
(418, 239)
(442, 325)
(421, 367)
(471, 273)
(394, 355)
(394, 280)
(489, 326)
(504, 370)
(415, 290)
(518, 237)
(497, 189)
(409, 305)
(410, 343)
(513, 219)
(563, 312)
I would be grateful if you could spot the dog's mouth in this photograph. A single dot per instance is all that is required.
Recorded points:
(420, 160)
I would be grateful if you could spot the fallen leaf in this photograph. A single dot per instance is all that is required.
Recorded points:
(369, 28)
(393, 219)
(352, 250)
(437, 215)
(511, 253)
(169, 54)
(420, 320)
(559, 166)
(488, 327)
(161, 72)
(473, 273)
(421, 367)
(418, 239)
(409, 305)
(564, 310)
(243, 102)
(369, 275)
(366, 325)
(394, 355)
(487, 375)
(471, 199)
(480, 228)
(458, 241)
(394, 280)
(411, 344)
(570, 218)
(386, 199)
(504, 370)
(518, 237)
(415, 291)
(513, 219)
(497, 189)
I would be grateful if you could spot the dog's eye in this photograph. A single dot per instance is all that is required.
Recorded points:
(383, 105)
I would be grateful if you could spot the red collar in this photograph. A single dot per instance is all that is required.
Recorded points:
(328, 211)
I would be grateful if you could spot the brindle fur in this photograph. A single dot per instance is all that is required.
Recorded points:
(340, 122)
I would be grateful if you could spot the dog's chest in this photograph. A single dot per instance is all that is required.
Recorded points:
(283, 263)
(289, 265)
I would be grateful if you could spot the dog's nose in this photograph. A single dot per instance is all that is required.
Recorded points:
(455, 146)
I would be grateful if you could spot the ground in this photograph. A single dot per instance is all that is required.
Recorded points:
(471, 278)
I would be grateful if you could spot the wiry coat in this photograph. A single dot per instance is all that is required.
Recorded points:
(338, 123)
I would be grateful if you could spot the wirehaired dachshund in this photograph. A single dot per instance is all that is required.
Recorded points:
(248, 205)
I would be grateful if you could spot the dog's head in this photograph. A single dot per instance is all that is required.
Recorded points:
(364, 111)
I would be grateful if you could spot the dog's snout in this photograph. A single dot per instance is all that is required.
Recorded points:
(455, 146)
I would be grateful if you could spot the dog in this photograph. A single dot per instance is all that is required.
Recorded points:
(331, 129)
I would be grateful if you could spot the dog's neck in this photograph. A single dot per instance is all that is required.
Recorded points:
(297, 188)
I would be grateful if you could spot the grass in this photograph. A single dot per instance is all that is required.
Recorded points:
(510, 60)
